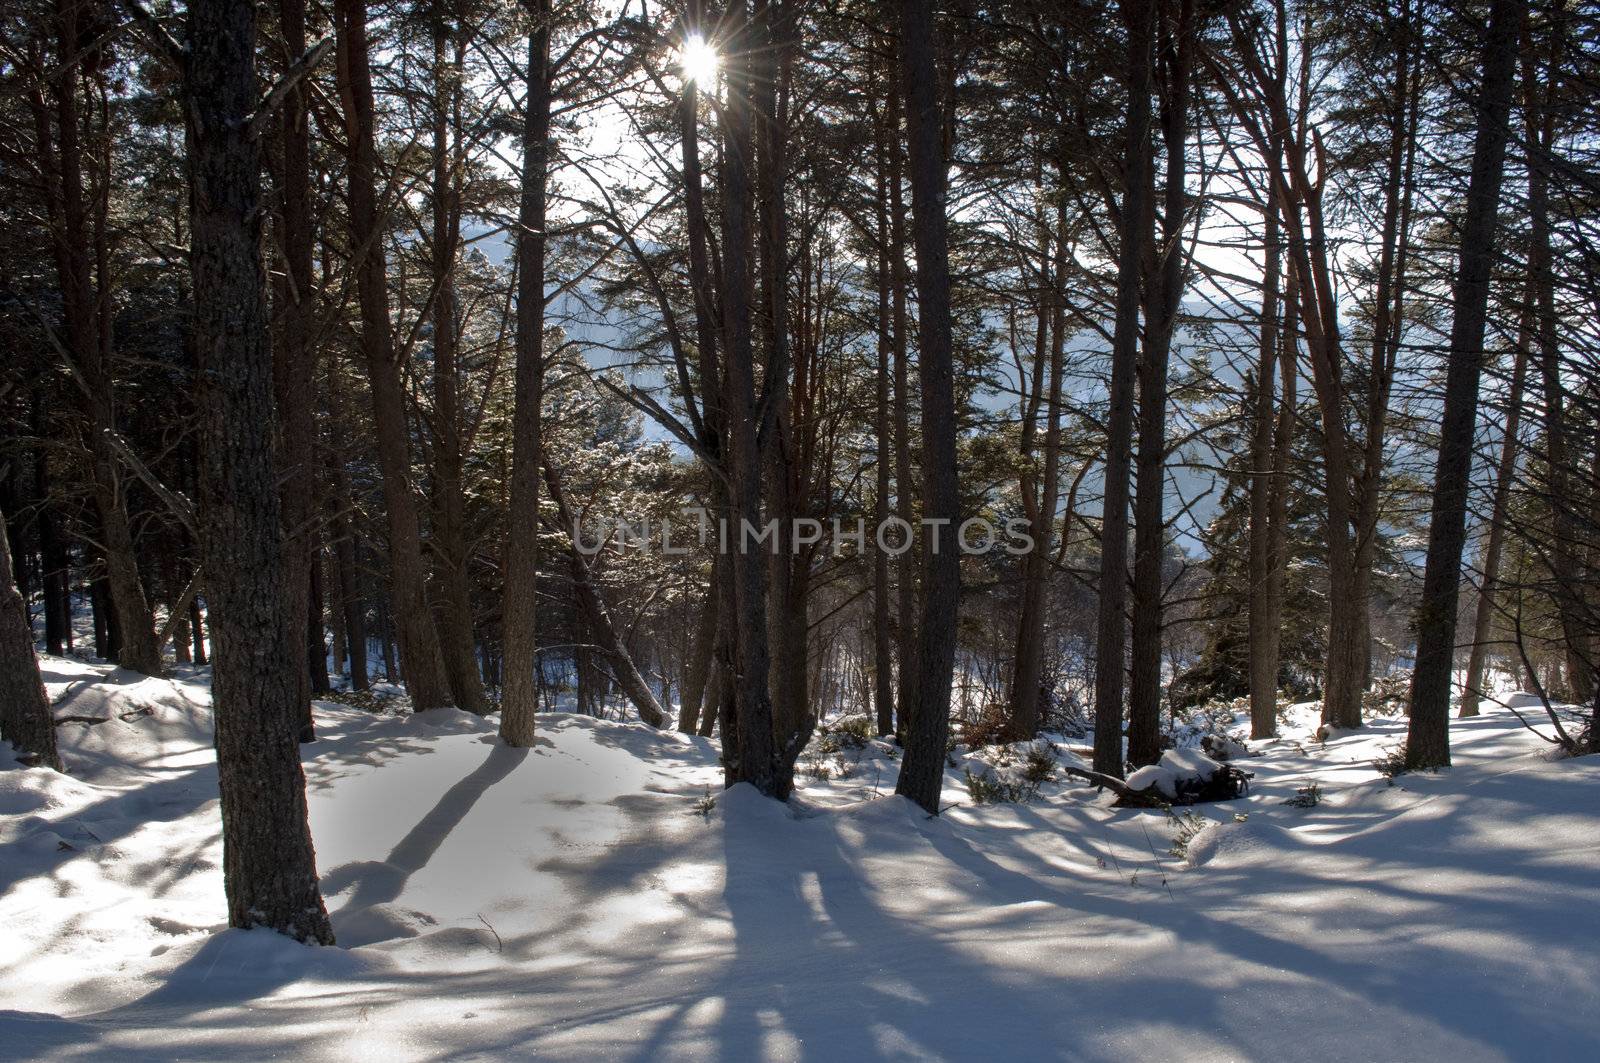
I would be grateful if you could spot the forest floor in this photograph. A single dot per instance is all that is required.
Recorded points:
(598, 897)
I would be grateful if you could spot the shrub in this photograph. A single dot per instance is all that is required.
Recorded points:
(1185, 827)
(1392, 764)
(1387, 696)
(987, 788)
(365, 700)
(986, 727)
(1040, 765)
(1306, 797)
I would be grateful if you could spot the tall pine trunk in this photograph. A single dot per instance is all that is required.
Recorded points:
(1483, 615)
(1165, 282)
(25, 718)
(882, 632)
(449, 548)
(1133, 237)
(519, 608)
(269, 869)
(421, 662)
(922, 771)
(1428, 737)
(294, 357)
(1041, 499)
(78, 236)
(748, 747)
(1267, 537)
(904, 480)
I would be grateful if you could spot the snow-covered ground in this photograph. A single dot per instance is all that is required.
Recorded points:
(584, 900)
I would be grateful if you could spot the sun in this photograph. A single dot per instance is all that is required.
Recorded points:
(698, 60)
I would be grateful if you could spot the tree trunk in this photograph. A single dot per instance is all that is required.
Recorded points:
(85, 311)
(197, 631)
(421, 661)
(294, 355)
(598, 618)
(1267, 537)
(449, 546)
(1133, 236)
(1559, 464)
(1428, 737)
(1483, 616)
(346, 560)
(100, 607)
(519, 699)
(698, 671)
(1299, 199)
(1387, 329)
(904, 482)
(25, 718)
(1027, 674)
(316, 637)
(922, 771)
(54, 560)
(269, 870)
(777, 433)
(748, 746)
(882, 633)
(1165, 280)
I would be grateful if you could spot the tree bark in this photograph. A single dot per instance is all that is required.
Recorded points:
(54, 560)
(1267, 534)
(1040, 500)
(519, 700)
(269, 869)
(77, 241)
(316, 634)
(749, 750)
(1483, 615)
(1165, 282)
(421, 661)
(1428, 737)
(777, 431)
(1566, 556)
(1133, 234)
(904, 481)
(346, 561)
(697, 674)
(922, 770)
(449, 547)
(882, 633)
(294, 355)
(25, 718)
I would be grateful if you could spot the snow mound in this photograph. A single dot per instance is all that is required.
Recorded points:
(1235, 844)
(380, 922)
(451, 720)
(1178, 769)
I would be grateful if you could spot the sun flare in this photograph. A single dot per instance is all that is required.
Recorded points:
(698, 60)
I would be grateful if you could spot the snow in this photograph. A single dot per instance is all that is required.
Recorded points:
(1176, 766)
(584, 900)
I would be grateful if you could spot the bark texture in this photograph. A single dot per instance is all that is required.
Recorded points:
(1133, 236)
(519, 699)
(269, 869)
(421, 662)
(1428, 736)
(922, 770)
(25, 718)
